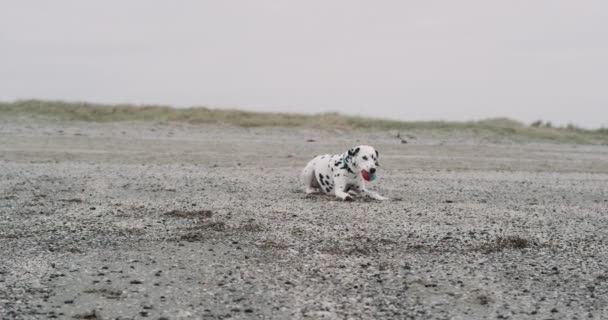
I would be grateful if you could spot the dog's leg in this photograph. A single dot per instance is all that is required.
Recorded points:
(343, 195)
(372, 194)
(308, 178)
(340, 193)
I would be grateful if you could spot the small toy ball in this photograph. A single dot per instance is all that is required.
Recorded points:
(367, 176)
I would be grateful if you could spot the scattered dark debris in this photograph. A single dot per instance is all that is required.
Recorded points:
(192, 237)
(297, 231)
(190, 214)
(94, 314)
(483, 300)
(251, 226)
(73, 200)
(73, 250)
(215, 226)
(505, 243)
(417, 247)
(196, 235)
(134, 231)
(107, 293)
(270, 244)
(311, 140)
(387, 241)
(449, 201)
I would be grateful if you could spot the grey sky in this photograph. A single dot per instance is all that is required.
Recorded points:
(453, 60)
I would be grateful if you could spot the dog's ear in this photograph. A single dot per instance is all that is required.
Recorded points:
(377, 154)
(353, 151)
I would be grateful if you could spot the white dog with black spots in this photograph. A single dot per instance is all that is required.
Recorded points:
(343, 175)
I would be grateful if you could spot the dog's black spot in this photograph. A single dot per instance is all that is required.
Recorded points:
(337, 174)
(332, 169)
(327, 176)
(327, 189)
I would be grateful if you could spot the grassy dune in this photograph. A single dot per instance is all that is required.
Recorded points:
(106, 113)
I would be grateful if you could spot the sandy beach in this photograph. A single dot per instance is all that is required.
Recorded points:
(134, 220)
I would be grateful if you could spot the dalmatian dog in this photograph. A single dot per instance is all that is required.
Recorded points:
(343, 175)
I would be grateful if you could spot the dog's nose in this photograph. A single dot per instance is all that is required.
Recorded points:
(372, 170)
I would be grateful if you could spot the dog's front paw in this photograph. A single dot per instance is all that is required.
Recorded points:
(346, 197)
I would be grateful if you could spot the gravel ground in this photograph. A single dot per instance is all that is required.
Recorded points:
(167, 221)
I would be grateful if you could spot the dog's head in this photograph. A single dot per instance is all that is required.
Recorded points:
(365, 158)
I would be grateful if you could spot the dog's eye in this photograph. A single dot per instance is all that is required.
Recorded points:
(364, 157)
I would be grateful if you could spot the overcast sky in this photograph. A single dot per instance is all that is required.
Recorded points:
(451, 60)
